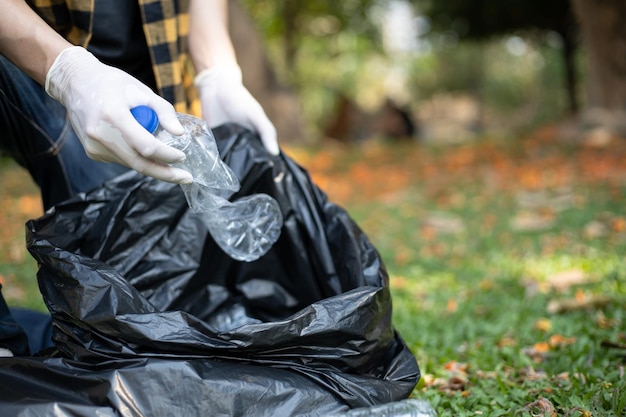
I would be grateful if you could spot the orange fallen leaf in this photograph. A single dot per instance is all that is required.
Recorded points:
(428, 232)
(398, 281)
(538, 352)
(454, 366)
(452, 305)
(618, 224)
(403, 255)
(560, 340)
(544, 325)
(30, 205)
(486, 284)
(506, 341)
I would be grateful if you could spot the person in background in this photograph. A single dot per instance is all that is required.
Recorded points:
(70, 71)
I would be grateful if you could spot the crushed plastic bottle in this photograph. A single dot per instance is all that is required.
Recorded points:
(404, 408)
(246, 228)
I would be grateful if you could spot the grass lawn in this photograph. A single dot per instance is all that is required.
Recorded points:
(506, 260)
(20, 201)
(507, 267)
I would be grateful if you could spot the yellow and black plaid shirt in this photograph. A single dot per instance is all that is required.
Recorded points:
(166, 25)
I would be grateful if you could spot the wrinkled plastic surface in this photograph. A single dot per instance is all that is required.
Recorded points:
(404, 408)
(246, 228)
(152, 319)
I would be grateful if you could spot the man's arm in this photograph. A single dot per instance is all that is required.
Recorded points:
(28, 41)
(222, 93)
(98, 97)
(209, 40)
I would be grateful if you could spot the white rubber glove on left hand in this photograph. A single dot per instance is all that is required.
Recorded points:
(225, 99)
(98, 98)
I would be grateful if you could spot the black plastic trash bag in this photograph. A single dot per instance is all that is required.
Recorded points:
(151, 318)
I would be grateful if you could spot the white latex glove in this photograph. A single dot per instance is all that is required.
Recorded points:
(98, 98)
(225, 99)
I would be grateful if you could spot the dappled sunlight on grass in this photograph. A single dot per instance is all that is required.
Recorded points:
(505, 259)
(506, 265)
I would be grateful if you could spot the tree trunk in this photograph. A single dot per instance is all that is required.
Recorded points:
(569, 51)
(278, 100)
(568, 31)
(290, 17)
(604, 41)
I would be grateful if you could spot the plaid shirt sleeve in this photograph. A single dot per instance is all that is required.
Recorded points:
(166, 27)
(72, 19)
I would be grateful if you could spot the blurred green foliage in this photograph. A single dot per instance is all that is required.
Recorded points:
(329, 48)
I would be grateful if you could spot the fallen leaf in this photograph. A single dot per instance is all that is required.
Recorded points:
(452, 305)
(486, 284)
(543, 325)
(530, 222)
(538, 352)
(563, 376)
(544, 201)
(444, 224)
(573, 304)
(531, 374)
(398, 281)
(595, 229)
(541, 347)
(403, 255)
(541, 407)
(598, 138)
(564, 280)
(456, 383)
(457, 367)
(604, 322)
(30, 205)
(506, 341)
(618, 224)
(558, 340)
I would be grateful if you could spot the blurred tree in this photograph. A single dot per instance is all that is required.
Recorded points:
(604, 37)
(291, 21)
(277, 97)
(322, 48)
(482, 19)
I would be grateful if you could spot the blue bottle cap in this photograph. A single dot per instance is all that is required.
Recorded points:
(146, 117)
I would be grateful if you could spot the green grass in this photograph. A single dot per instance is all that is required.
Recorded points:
(20, 201)
(480, 241)
(472, 297)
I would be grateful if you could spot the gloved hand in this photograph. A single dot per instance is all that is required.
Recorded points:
(225, 99)
(98, 98)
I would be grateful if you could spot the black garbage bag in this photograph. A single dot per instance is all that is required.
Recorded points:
(151, 318)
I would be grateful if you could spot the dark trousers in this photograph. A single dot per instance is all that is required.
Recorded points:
(36, 132)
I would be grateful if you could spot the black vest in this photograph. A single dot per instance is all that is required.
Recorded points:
(118, 39)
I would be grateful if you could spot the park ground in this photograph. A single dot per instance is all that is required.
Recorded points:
(505, 256)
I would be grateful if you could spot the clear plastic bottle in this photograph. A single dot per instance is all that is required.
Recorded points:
(246, 228)
(404, 408)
